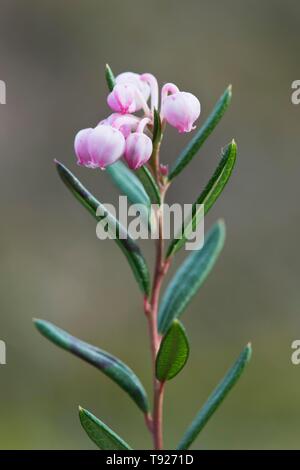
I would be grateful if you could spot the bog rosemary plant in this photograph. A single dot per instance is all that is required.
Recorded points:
(137, 138)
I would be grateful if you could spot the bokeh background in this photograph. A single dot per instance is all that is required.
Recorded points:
(52, 57)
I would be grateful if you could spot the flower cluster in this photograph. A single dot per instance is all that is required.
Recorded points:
(125, 134)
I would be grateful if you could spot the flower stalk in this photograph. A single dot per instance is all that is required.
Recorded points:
(151, 311)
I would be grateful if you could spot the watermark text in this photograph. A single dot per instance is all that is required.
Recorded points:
(139, 221)
(2, 92)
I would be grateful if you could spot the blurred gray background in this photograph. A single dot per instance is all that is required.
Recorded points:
(52, 57)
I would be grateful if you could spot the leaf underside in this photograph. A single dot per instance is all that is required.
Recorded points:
(173, 352)
(104, 437)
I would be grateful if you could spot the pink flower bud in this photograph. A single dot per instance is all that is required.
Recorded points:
(138, 147)
(105, 145)
(81, 148)
(123, 98)
(138, 150)
(180, 110)
(164, 169)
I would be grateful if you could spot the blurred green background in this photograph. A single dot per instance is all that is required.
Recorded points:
(52, 57)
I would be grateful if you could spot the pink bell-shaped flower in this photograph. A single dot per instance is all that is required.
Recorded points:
(123, 98)
(124, 122)
(81, 148)
(180, 109)
(105, 145)
(138, 148)
(140, 84)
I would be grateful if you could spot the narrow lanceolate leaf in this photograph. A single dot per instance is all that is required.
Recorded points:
(200, 137)
(173, 352)
(216, 398)
(190, 277)
(130, 186)
(121, 236)
(102, 360)
(208, 197)
(149, 183)
(110, 78)
(157, 130)
(99, 433)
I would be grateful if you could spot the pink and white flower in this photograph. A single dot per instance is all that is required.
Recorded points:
(122, 133)
(123, 98)
(81, 148)
(180, 109)
(105, 145)
(126, 123)
(138, 147)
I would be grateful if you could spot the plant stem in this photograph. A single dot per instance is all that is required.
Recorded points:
(158, 415)
(151, 310)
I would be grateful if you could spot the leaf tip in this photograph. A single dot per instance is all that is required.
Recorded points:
(38, 323)
(108, 70)
(221, 226)
(82, 413)
(248, 350)
(233, 145)
(58, 164)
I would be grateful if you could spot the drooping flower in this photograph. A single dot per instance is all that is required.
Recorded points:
(123, 98)
(122, 133)
(135, 79)
(81, 148)
(139, 147)
(124, 122)
(180, 109)
(106, 145)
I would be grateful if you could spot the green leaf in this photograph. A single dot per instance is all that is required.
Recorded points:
(102, 360)
(216, 398)
(127, 182)
(190, 277)
(124, 241)
(173, 352)
(200, 137)
(149, 183)
(99, 433)
(208, 196)
(129, 185)
(110, 78)
(157, 129)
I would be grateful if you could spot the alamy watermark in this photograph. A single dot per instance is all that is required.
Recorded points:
(295, 96)
(295, 356)
(2, 92)
(141, 222)
(2, 353)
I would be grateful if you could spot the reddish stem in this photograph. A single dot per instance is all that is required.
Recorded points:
(151, 310)
(158, 415)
